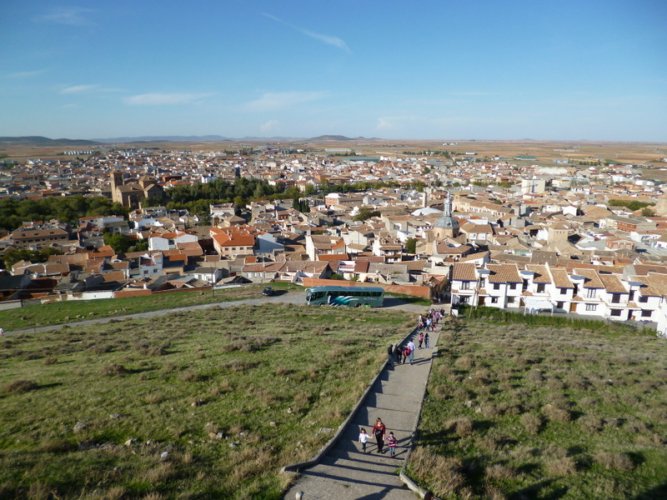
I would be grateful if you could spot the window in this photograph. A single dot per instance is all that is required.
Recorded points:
(512, 286)
(616, 312)
(496, 286)
(560, 305)
(510, 300)
(465, 285)
(525, 285)
(615, 299)
(494, 300)
(643, 299)
(646, 313)
(590, 293)
(541, 287)
(591, 307)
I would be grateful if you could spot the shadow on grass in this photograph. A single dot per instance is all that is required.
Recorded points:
(537, 491)
(659, 491)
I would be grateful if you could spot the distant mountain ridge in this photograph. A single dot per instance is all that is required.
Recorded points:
(38, 140)
(165, 138)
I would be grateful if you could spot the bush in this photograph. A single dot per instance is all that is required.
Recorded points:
(531, 422)
(616, 461)
(114, 370)
(20, 386)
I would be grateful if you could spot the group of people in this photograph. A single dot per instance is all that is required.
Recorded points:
(402, 354)
(381, 437)
(430, 320)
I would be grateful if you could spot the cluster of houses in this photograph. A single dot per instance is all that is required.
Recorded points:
(539, 239)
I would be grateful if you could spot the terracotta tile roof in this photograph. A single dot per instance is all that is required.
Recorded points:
(464, 272)
(504, 273)
(541, 273)
(592, 279)
(644, 269)
(561, 278)
(333, 257)
(612, 284)
(361, 266)
(656, 285)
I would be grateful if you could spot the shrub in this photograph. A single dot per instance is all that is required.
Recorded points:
(531, 422)
(20, 386)
(464, 363)
(617, 461)
(561, 466)
(445, 473)
(555, 413)
(114, 370)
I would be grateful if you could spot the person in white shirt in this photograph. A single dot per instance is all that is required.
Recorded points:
(363, 439)
(411, 346)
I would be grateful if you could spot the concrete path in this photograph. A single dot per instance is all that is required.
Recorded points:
(345, 472)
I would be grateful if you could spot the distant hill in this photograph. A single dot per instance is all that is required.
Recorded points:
(320, 138)
(165, 138)
(36, 140)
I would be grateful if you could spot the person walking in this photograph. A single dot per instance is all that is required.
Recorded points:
(406, 353)
(391, 443)
(426, 340)
(363, 439)
(411, 346)
(378, 431)
(421, 339)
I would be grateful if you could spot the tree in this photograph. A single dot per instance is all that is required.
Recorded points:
(648, 212)
(119, 242)
(366, 213)
(411, 245)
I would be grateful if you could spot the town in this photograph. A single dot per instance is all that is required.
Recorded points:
(570, 235)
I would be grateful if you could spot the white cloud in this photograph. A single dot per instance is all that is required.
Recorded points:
(331, 40)
(279, 100)
(79, 89)
(69, 16)
(334, 41)
(163, 99)
(269, 125)
(384, 124)
(26, 74)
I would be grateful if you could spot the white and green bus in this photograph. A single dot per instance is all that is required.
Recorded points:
(351, 296)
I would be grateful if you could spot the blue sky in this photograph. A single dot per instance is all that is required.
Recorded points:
(448, 69)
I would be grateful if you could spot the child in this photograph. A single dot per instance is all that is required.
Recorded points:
(391, 442)
(363, 439)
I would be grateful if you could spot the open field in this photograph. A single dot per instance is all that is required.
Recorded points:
(528, 411)
(78, 310)
(544, 151)
(206, 403)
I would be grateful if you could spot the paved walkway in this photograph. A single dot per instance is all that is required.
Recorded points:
(345, 472)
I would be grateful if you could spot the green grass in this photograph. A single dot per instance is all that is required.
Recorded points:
(516, 410)
(230, 395)
(79, 310)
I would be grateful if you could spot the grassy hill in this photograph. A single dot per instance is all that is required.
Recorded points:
(36, 315)
(521, 411)
(208, 404)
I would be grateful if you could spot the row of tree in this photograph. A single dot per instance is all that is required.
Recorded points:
(67, 209)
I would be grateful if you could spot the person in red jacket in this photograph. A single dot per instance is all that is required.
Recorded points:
(378, 431)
